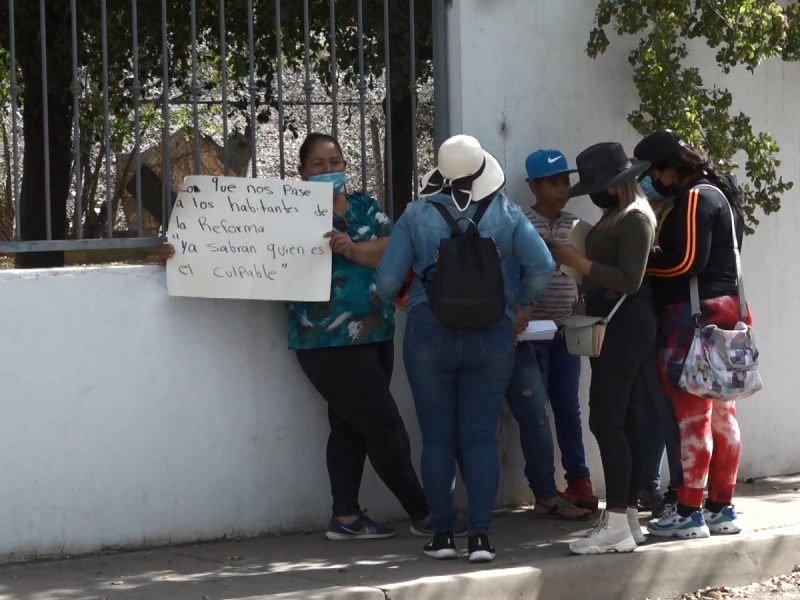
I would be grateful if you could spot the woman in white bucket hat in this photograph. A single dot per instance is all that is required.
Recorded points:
(458, 374)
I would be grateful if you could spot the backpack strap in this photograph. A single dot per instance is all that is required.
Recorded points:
(454, 228)
(483, 206)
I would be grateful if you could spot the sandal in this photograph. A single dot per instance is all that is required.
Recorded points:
(558, 510)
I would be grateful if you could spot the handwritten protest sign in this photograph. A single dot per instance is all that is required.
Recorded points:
(258, 239)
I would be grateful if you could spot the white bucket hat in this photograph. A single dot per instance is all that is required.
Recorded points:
(471, 173)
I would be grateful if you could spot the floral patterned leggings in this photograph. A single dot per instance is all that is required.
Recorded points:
(711, 444)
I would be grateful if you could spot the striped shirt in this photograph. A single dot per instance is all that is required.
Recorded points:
(562, 292)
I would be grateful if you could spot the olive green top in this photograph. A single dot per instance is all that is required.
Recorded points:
(619, 254)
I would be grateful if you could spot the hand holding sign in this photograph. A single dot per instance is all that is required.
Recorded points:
(250, 238)
(341, 243)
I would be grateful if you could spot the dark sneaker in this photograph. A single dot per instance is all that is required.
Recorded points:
(363, 528)
(443, 547)
(480, 550)
(669, 499)
(649, 500)
(426, 530)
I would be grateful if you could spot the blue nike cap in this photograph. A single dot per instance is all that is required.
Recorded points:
(546, 163)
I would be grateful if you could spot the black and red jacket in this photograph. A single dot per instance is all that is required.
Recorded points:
(694, 237)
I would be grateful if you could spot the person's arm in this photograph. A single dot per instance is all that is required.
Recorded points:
(636, 239)
(370, 252)
(694, 214)
(513, 274)
(397, 259)
(535, 260)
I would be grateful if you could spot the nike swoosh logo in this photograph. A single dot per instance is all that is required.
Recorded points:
(552, 160)
(355, 531)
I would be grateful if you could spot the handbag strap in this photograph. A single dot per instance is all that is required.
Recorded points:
(694, 290)
(616, 307)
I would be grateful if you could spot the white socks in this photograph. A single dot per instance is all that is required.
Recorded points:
(635, 527)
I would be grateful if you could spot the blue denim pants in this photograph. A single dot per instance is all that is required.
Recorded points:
(659, 429)
(527, 400)
(561, 373)
(458, 377)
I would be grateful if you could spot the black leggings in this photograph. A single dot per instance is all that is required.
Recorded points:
(354, 381)
(615, 390)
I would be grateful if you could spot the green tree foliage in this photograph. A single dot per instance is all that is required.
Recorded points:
(122, 77)
(672, 93)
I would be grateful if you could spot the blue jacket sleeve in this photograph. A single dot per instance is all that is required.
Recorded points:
(534, 258)
(397, 260)
(513, 275)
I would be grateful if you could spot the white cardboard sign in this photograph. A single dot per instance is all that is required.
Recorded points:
(258, 239)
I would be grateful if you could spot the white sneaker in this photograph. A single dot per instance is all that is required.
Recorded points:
(671, 524)
(610, 534)
(636, 527)
(725, 522)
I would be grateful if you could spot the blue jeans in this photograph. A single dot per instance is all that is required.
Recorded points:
(659, 429)
(458, 377)
(561, 373)
(527, 400)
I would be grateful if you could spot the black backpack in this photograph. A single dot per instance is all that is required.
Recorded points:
(466, 288)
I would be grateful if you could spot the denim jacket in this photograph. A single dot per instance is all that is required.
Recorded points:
(416, 238)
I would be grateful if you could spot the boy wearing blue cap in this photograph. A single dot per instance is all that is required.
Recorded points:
(548, 179)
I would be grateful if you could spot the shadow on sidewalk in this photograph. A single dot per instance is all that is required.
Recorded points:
(533, 562)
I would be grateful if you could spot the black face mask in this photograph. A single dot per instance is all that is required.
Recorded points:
(604, 200)
(666, 191)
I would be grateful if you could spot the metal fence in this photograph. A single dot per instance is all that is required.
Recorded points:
(106, 118)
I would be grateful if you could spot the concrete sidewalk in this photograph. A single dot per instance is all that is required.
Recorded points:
(533, 563)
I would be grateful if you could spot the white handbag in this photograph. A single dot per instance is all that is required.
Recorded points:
(585, 334)
(722, 364)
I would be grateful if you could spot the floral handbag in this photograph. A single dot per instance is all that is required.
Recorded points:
(722, 364)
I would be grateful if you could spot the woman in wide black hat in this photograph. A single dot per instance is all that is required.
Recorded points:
(613, 270)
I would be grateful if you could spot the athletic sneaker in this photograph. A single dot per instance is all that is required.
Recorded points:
(611, 533)
(635, 526)
(363, 528)
(420, 530)
(671, 524)
(480, 550)
(443, 547)
(724, 522)
(650, 499)
(670, 498)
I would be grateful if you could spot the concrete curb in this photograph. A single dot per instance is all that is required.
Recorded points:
(657, 570)
(331, 593)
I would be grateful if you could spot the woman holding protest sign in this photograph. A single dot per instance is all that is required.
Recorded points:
(345, 347)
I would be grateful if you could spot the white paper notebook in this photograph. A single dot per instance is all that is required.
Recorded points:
(577, 239)
(538, 330)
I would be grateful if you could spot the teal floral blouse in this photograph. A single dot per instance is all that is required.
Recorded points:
(354, 314)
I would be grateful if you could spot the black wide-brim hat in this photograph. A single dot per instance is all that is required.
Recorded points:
(603, 166)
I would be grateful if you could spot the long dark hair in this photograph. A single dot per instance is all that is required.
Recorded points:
(690, 162)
